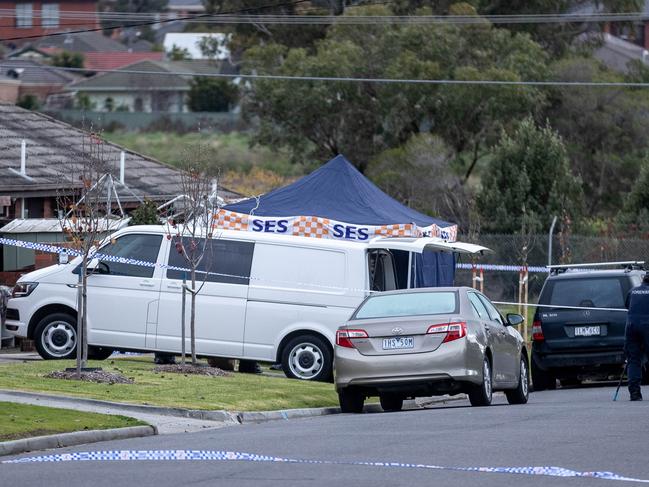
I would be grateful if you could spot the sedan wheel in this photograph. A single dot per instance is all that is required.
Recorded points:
(521, 393)
(481, 395)
(391, 402)
(351, 401)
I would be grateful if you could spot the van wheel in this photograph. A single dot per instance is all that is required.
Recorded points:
(55, 337)
(351, 400)
(99, 353)
(307, 357)
(522, 391)
(481, 395)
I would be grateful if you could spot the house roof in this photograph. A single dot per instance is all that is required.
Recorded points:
(34, 72)
(82, 42)
(115, 60)
(616, 53)
(54, 146)
(178, 79)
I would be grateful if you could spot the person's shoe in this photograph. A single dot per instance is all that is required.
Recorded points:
(636, 396)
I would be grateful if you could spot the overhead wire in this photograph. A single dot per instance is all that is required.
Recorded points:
(537, 83)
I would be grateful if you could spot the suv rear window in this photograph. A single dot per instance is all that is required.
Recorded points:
(590, 292)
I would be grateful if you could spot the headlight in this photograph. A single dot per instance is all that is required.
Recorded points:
(23, 289)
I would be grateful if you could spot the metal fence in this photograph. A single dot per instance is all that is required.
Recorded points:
(576, 249)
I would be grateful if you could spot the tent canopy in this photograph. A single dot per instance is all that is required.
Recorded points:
(339, 192)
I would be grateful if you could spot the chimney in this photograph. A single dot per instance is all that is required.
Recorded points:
(23, 157)
(122, 159)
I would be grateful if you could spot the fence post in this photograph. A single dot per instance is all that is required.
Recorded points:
(526, 297)
(481, 280)
(520, 291)
(474, 277)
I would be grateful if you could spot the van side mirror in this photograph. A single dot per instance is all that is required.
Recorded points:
(514, 319)
(95, 266)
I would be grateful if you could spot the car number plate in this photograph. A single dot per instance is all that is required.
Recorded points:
(398, 343)
(587, 331)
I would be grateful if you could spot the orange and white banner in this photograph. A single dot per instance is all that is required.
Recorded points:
(316, 227)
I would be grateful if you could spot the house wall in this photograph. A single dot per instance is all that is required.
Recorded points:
(9, 28)
(170, 102)
(9, 91)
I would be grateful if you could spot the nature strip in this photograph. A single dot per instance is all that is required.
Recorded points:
(218, 455)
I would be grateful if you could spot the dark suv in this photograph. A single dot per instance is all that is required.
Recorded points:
(573, 344)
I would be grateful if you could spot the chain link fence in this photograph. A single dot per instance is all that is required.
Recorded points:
(508, 250)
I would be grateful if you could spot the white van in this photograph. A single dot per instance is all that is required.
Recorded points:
(266, 297)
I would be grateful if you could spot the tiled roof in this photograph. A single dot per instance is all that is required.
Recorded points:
(178, 79)
(34, 72)
(83, 42)
(115, 60)
(54, 146)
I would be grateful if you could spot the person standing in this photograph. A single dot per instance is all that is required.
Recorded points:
(636, 336)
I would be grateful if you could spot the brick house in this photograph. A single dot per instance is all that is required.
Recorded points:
(38, 17)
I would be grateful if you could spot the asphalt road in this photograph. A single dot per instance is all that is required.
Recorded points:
(577, 429)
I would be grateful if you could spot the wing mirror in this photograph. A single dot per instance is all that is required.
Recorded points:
(95, 266)
(514, 319)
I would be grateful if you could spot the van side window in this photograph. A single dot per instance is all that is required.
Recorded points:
(382, 271)
(225, 261)
(138, 247)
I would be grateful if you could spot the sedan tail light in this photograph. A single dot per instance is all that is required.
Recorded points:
(344, 337)
(537, 331)
(453, 330)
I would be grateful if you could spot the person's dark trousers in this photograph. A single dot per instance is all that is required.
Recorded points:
(636, 344)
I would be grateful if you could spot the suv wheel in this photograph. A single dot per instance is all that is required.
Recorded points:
(542, 379)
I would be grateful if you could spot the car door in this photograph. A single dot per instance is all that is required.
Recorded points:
(123, 298)
(223, 276)
(494, 338)
(507, 339)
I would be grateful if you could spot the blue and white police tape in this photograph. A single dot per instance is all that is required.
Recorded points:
(503, 268)
(218, 455)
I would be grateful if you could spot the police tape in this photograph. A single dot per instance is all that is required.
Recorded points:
(218, 455)
(501, 268)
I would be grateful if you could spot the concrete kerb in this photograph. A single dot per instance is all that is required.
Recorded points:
(75, 438)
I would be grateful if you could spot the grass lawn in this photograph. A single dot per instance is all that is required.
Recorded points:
(239, 392)
(25, 421)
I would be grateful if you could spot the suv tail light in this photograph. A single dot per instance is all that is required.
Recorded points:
(537, 331)
(344, 337)
(453, 330)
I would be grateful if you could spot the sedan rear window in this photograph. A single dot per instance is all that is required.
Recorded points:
(410, 304)
(598, 293)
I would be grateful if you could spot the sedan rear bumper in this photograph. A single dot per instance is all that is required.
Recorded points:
(451, 363)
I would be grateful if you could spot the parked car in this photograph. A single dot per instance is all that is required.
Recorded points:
(575, 344)
(426, 342)
(267, 297)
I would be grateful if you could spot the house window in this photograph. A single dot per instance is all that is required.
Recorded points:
(24, 15)
(50, 15)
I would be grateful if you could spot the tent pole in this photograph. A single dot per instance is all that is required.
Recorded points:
(409, 270)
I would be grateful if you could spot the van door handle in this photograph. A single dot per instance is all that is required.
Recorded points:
(174, 286)
(147, 284)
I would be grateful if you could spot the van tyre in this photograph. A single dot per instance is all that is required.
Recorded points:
(542, 379)
(481, 395)
(520, 395)
(391, 402)
(55, 337)
(99, 353)
(307, 357)
(351, 400)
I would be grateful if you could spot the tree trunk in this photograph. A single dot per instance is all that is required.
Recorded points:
(192, 319)
(84, 321)
(182, 320)
(84, 267)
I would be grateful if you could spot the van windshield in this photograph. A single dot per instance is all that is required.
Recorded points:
(408, 304)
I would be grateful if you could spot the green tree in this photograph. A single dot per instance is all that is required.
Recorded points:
(528, 180)
(212, 95)
(178, 54)
(29, 102)
(145, 214)
(604, 130)
(67, 59)
(319, 119)
(634, 215)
